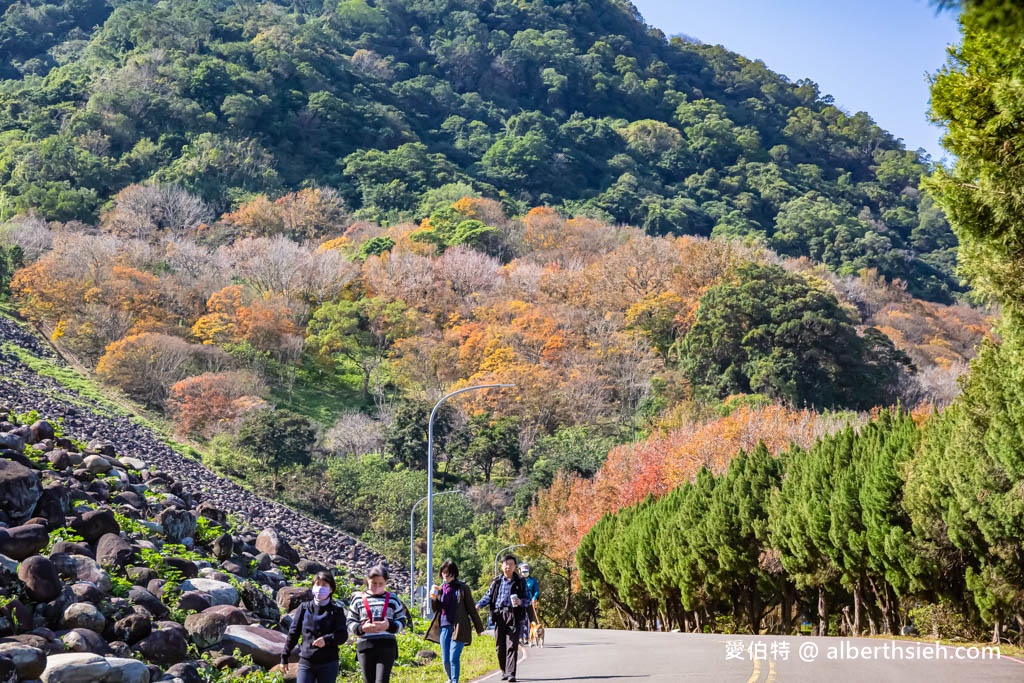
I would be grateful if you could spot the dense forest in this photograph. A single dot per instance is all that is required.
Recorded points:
(906, 519)
(402, 106)
(285, 229)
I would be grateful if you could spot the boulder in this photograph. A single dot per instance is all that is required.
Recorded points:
(166, 646)
(262, 644)
(223, 547)
(271, 543)
(126, 670)
(234, 615)
(141, 576)
(72, 548)
(12, 442)
(186, 672)
(87, 592)
(113, 551)
(309, 567)
(177, 524)
(84, 615)
(220, 593)
(21, 542)
(16, 614)
(77, 667)
(187, 568)
(29, 661)
(193, 601)
(289, 597)
(51, 506)
(94, 523)
(143, 598)
(40, 578)
(20, 490)
(41, 430)
(258, 602)
(133, 628)
(84, 640)
(206, 628)
(96, 464)
(81, 568)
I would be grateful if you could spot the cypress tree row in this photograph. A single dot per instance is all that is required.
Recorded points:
(858, 531)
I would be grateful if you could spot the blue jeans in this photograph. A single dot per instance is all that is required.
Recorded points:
(451, 653)
(317, 673)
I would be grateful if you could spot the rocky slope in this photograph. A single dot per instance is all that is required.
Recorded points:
(151, 572)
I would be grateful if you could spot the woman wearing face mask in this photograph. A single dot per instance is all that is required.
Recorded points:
(375, 617)
(321, 624)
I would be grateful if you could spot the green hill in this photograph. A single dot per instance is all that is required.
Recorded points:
(576, 104)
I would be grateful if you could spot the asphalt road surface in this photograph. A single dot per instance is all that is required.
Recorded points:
(579, 655)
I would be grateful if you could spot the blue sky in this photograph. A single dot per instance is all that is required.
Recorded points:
(870, 55)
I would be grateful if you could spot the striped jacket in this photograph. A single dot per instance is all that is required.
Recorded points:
(397, 616)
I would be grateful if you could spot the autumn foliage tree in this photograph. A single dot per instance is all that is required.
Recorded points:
(213, 402)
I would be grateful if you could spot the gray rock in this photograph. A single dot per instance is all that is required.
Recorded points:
(82, 568)
(271, 543)
(78, 667)
(40, 578)
(177, 524)
(20, 542)
(220, 593)
(94, 523)
(165, 647)
(20, 490)
(96, 464)
(206, 628)
(84, 640)
(289, 597)
(126, 670)
(113, 551)
(84, 615)
(133, 628)
(265, 646)
(29, 661)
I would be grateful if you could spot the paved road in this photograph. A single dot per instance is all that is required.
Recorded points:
(631, 657)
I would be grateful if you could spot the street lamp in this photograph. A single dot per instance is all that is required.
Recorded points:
(412, 550)
(498, 555)
(430, 471)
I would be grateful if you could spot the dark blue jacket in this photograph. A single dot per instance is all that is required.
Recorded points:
(313, 621)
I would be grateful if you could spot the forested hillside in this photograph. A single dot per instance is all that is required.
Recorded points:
(285, 229)
(404, 105)
(908, 520)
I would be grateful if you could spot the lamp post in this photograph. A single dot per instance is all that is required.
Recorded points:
(412, 550)
(498, 555)
(430, 471)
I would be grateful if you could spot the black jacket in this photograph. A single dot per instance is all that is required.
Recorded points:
(518, 588)
(313, 621)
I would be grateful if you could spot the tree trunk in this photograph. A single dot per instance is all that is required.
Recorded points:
(787, 610)
(856, 609)
(995, 632)
(822, 611)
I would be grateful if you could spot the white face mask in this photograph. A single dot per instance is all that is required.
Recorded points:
(321, 592)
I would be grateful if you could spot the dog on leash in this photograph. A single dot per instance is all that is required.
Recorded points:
(536, 634)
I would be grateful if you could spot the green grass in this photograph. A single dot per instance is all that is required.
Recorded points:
(477, 659)
(89, 394)
(320, 400)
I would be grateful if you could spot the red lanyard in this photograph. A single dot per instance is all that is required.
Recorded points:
(383, 613)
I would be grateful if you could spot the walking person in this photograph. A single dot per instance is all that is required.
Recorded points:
(505, 597)
(375, 617)
(320, 623)
(455, 616)
(533, 593)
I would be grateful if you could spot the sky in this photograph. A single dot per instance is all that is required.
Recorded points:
(870, 55)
